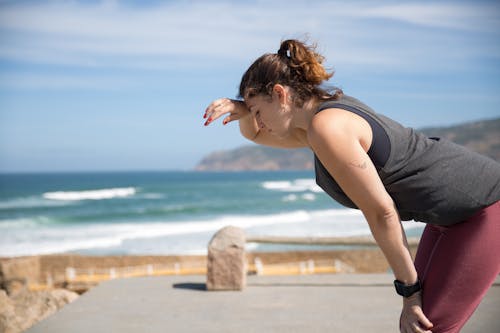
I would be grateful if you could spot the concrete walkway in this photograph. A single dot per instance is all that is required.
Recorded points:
(307, 303)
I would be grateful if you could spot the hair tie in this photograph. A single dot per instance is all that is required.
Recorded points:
(284, 52)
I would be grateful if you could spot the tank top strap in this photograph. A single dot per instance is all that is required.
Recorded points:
(380, 147)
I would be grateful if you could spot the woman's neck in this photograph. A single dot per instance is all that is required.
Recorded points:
(302, 117)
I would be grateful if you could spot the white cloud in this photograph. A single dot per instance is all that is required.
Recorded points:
(199, 33)
(64, 81)
(466, 17)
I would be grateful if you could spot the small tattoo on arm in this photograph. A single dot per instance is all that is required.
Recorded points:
(359, 165)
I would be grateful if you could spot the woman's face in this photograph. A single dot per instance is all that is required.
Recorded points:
(271, 116)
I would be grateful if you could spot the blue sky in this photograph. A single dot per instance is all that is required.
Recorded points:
(122, 85)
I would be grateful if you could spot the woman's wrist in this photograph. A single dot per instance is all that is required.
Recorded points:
(416, 298)
(248, 127)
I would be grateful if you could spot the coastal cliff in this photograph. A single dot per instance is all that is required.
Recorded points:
(257, 158)
(480, 136)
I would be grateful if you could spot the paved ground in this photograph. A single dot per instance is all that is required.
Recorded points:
(307, 303)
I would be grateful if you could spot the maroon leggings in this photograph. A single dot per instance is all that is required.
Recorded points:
(457, 265)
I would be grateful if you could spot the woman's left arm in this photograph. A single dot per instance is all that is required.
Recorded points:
(336, 137)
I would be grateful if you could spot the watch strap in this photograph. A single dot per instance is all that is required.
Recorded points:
(407, 290)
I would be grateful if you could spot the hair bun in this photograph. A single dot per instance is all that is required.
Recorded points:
(304, 61)
(296, 65)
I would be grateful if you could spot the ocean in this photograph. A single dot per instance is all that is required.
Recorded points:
(161, 213)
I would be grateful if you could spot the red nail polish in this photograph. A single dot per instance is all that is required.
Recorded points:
(204, 116)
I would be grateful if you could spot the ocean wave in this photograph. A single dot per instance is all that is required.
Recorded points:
(334, 213)
(152, 196)
(297, 185)
(61, 246)
(30, 202)
(22, 223)
(46, 239)
(177, 237)
(109, 193)
(295, 197)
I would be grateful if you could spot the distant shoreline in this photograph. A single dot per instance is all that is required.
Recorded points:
(194, 171)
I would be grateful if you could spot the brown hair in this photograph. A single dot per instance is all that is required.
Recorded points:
(295, 65)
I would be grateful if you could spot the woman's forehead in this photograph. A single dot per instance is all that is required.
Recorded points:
(251, 101)
(256, 99)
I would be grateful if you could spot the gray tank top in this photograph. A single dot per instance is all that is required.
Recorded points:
(431, 180)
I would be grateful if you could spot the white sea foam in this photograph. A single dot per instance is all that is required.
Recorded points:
(45, 239)
(290, 198)
(23, 222)
(308, 196)
(297, 185)
(57, 246)
(176, 237)
(335, 213)
(91, 194)
(277, 185)
(30, 202)
(295, 197)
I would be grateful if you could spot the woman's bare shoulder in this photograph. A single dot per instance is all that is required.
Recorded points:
(333, 123)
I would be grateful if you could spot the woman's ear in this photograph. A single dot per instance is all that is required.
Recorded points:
(281, 93)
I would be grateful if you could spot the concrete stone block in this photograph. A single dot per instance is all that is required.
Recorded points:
(226, 261)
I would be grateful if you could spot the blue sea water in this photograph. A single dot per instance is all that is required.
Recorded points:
(163, 212)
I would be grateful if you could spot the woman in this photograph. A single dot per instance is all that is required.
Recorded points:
(367, 161)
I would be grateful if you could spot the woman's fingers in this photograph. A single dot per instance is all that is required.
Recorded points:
(216, 109)
(231, 117)
(236, 109)
(423, 319)
(413, 328)
(417, 328)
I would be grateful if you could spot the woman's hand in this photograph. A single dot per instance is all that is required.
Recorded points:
(234, 109)
(412, 317)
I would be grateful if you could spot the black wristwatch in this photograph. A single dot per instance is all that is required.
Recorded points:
(407, 290)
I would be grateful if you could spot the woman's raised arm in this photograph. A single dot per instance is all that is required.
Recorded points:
(249, 128)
